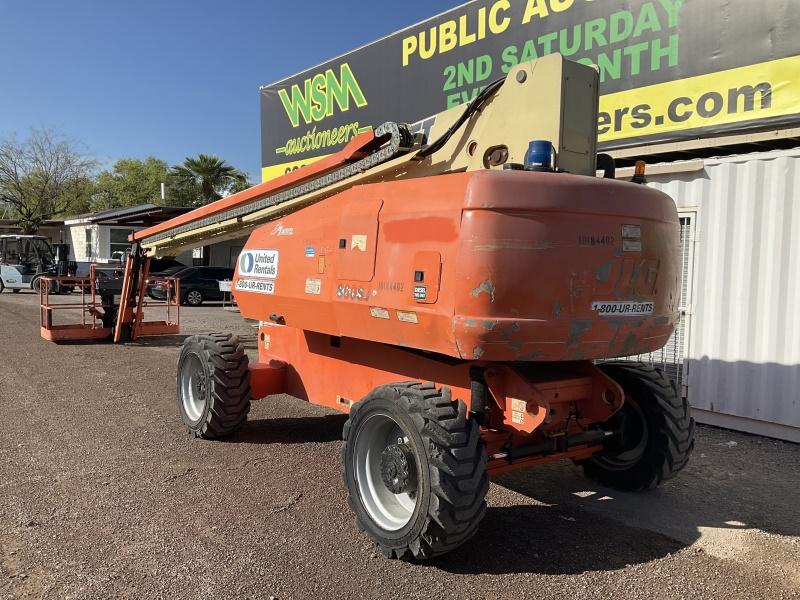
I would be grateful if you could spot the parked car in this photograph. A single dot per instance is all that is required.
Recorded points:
(197, 284)
(170, 272)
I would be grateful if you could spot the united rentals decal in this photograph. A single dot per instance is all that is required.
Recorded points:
(669, 70)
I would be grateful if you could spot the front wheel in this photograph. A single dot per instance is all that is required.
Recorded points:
(213, 384)
(654, 431)
(36, 285)
(415, 470)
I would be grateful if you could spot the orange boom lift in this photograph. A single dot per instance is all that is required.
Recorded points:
(452, 290)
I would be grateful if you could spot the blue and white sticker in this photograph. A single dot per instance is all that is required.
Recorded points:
(258, 263)
(310, 252)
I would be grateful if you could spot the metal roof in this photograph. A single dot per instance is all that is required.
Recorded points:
(149, 212)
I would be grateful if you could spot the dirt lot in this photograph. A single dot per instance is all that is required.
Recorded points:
(103, 494)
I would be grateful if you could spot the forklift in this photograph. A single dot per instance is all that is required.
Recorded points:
(27, 260)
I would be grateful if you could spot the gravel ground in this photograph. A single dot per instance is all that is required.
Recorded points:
(103, 494)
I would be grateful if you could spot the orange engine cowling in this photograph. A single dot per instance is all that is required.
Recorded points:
(483, 265)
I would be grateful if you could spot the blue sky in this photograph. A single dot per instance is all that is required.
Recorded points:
(171, 78)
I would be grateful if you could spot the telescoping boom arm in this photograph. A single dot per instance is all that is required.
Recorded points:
(549, 99)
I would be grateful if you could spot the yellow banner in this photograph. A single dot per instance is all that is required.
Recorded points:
(754, 92)
(275, 171)
(761, 91)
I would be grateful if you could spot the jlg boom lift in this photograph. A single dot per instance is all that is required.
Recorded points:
(452, 292)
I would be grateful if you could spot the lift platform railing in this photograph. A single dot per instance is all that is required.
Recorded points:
(91, 309)
(99, 313)
(171, 305)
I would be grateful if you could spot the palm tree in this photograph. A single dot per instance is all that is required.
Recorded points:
(210, 175)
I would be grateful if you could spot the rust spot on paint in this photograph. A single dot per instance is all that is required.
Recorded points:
(637, 270)
(603, 272)
(532, 355)
(470, 322)
(477, 352)
(510, 330)
(557, 308)
(577, 329)
(489, 325)
(629, 344)
(516, 345)
(486, 287)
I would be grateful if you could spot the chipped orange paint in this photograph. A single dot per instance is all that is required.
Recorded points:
(533, 223)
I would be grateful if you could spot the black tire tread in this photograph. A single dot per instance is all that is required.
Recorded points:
(672, 428)
(457, 461)
(230, 391)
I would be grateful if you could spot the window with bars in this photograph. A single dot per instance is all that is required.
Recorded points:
(671, 358)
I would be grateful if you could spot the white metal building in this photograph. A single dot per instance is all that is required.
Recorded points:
(736, 352)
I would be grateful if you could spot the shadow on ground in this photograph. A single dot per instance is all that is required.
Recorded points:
(250, 342)
(552, 520)
(302, 430)
(161, 341)
(575, 525)
(553, 540)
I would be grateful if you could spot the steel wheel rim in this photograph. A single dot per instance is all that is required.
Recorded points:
(193, 387)
(389, 511)
(194, 297)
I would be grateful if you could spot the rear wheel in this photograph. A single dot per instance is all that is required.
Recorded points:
(415, 470)
(213, 384)
(655, 431)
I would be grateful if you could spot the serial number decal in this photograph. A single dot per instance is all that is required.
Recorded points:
(351, 292)
(260, 286)
(623, 308)
(586, 239)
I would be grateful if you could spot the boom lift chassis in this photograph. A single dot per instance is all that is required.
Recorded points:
(453, 296)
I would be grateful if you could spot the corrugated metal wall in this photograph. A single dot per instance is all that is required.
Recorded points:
(743, 329)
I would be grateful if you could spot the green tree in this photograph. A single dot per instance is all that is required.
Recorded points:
(43, 177)
(212, 176)
(132, 181)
